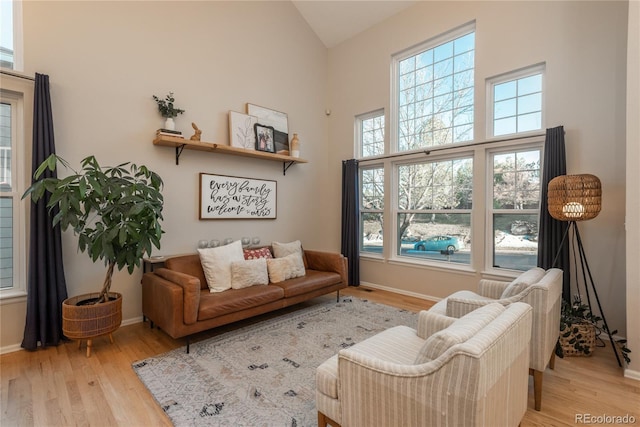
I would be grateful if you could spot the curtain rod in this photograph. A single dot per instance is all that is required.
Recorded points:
(450, 147)
(18, 75)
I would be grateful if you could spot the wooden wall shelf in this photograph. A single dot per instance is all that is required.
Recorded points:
(181, 143)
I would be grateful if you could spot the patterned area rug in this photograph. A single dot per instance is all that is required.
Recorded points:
(262, 374)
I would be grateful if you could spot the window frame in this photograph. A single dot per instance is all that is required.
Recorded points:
(359, 136)
(396, 58)
(535, 143)
(515, 75)
(18, 243)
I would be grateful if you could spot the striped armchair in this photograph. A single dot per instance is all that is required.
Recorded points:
(542, 290)
(470, 371)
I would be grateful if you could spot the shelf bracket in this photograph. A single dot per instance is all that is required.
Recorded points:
(286, 166)
(179, 149)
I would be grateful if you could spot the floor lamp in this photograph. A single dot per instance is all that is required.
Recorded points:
(573, 198)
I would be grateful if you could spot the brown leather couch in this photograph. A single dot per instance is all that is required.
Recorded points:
(176, 297)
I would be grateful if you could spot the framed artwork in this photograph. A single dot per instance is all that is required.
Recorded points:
(241, 131)
(234, 197)
(264, 138)
(266, 116)
(281, 140)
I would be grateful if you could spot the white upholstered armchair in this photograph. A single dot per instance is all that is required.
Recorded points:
(542, 290)
(471, 371)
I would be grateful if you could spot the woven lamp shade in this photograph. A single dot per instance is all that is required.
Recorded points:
(574, 197)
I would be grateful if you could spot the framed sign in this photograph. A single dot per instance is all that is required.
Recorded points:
(233, 197)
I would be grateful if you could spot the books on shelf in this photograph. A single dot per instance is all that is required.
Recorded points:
(169, 132)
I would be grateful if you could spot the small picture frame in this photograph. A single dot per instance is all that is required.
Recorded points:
(264, 138)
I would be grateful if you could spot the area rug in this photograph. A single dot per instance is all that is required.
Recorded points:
(262, 374)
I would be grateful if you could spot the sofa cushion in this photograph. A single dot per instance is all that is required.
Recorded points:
(281, 269)
(249, 273)
(523, 281)
(221, 303)
(310, 282)
(399, 344)
(216, 264)
(256, 253)
(458, 332)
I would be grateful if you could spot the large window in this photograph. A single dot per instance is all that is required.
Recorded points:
(434, 210)
(370, 134)
(516, 102)
(371, 209)
(515, 207)
(435, 92)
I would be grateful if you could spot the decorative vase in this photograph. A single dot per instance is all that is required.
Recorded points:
(170, 124)
(295, 146)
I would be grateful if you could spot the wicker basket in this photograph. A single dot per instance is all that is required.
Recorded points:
(585, 333)
(87, 321)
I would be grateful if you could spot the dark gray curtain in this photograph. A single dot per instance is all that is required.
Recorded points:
(351, 219)
(552, 231)
(46, 285)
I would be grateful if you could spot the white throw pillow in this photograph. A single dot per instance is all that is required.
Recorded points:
(458, 332)
(523, 281)
(281, 269)
(216, 264)
(249, 273)
(281, 250)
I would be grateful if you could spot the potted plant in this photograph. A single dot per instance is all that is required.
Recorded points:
(167, 110)
(579, 330)
(116, 214)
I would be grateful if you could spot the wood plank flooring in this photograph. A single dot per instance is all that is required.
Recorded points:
(60, 386)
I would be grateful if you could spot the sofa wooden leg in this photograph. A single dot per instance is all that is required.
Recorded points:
(552, 360)
(537, 388)
(188, 345)
(338, 295)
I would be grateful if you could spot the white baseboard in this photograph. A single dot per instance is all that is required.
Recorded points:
(16, 347)
(630, 373)
(401, 292)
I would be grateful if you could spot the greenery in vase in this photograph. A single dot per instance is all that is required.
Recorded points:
(578, 313)
(165, 106)
(114, 211)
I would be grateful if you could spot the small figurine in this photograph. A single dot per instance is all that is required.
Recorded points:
(195, 136)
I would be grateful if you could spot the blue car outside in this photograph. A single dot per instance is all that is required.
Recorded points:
(438, 243)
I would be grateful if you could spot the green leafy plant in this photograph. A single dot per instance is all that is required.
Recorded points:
(577, 313)
(114, 211)
(165, 106)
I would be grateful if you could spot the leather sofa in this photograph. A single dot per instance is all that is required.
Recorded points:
(176, 297)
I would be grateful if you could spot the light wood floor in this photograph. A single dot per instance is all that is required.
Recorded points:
(60, 386)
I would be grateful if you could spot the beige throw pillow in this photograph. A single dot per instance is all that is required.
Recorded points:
(281, 250)
(249, 273)
(216, 264)
(289, 267)
(458, 332)
(523, 281)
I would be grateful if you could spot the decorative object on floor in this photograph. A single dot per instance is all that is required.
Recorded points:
(575, 198)
(262, 374)
(116, 214)
(233, 197)
(168, 110)
(197, 134)
(577, 329)
(241, 130)
(295, 146)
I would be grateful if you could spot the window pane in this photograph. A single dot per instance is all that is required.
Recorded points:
(372, 136)
(6, 34)
(437, 81)
(504, 126)
(530, 103)
(5, 147)
(529, 122)
(515, 241)
(530, 84)
(504, 90)
(372, 193)
(6, 242)
(440, 237)
(371, 226)
(506, 108)
(517, 105)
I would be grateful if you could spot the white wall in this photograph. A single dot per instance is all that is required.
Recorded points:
(106, 59)
(584, 47)
(633, 190)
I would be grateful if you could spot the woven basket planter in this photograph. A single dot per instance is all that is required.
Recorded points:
(93, 320)
(582, 333)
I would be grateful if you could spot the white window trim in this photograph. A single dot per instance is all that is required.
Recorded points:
(19, 90)
(505, 77)
(358, 133)
(536, 143)
(395, 78)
